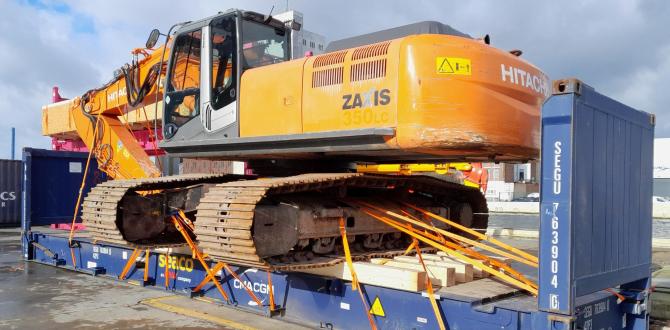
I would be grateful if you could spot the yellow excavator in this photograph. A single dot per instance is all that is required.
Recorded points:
(417, 94)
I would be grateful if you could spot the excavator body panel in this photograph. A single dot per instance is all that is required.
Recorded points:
(421, 97)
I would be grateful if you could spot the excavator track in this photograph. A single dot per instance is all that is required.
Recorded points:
(101, 207)
(226, 214)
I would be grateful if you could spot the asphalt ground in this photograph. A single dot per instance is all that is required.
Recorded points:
(37, 296)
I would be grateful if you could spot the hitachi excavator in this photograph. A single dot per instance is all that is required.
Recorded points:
(422, 93)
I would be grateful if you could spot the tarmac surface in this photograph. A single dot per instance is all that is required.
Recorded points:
(36, 296)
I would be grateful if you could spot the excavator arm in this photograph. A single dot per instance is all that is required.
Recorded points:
(96, 116)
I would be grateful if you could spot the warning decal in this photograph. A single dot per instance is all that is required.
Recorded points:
(453, 65)
(377, 308)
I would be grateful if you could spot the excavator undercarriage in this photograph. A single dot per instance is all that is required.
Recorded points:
(287, 223)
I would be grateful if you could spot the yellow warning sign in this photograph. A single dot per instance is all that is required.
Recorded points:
(453, 65)
(377, 308)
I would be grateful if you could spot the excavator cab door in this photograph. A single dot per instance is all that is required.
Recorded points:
(182, 92)
(203, 76)
(219, 99)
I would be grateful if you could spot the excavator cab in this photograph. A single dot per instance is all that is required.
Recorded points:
(206, 61)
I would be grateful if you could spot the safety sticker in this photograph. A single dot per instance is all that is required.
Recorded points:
(377, 308)
(453, 65)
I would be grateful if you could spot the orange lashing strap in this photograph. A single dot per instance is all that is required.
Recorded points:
(271, 294)
(475, 233)
(167, 262)
(251, 293)
(74, 260)
(429, 287)
(620, 297)
(426, 220)
(129, 263)
(355, 286)
(81, 192)
(452, 235)
(411, 247)
(186, 220)
(147, 255)
(83, 180)
(476, 263)
(347, 255)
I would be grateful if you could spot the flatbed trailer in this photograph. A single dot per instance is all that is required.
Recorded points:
(594, 249)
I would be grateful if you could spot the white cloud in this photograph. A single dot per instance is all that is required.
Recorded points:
(619, 47)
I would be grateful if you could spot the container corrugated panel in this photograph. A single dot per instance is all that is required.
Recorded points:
(613, 186)
(596, 220)
(10, 192)
(51, 184)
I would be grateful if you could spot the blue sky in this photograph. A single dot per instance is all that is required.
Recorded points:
(620, 47)
(80, 23)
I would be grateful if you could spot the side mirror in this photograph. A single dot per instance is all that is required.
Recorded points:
(153, 38)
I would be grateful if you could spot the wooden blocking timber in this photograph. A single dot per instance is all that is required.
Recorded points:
(379, 275)
(439, 275)
(478, 273)
(442, 256)
(464, 272)
(380, 261)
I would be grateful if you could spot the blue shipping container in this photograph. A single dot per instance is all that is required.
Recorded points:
(51, 185)
(10, 192)
(595, 212)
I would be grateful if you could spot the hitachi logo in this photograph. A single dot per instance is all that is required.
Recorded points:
(518, 76)
(112, 96)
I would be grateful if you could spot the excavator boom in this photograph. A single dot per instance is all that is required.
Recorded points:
(97, 116)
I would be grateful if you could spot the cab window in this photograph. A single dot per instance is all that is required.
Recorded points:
(182, 90)
(223, 62)
(263, 44)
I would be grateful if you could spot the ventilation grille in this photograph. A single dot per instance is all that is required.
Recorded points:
(327, 77)
(368, 70)
(330, 59)
(371, 51)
